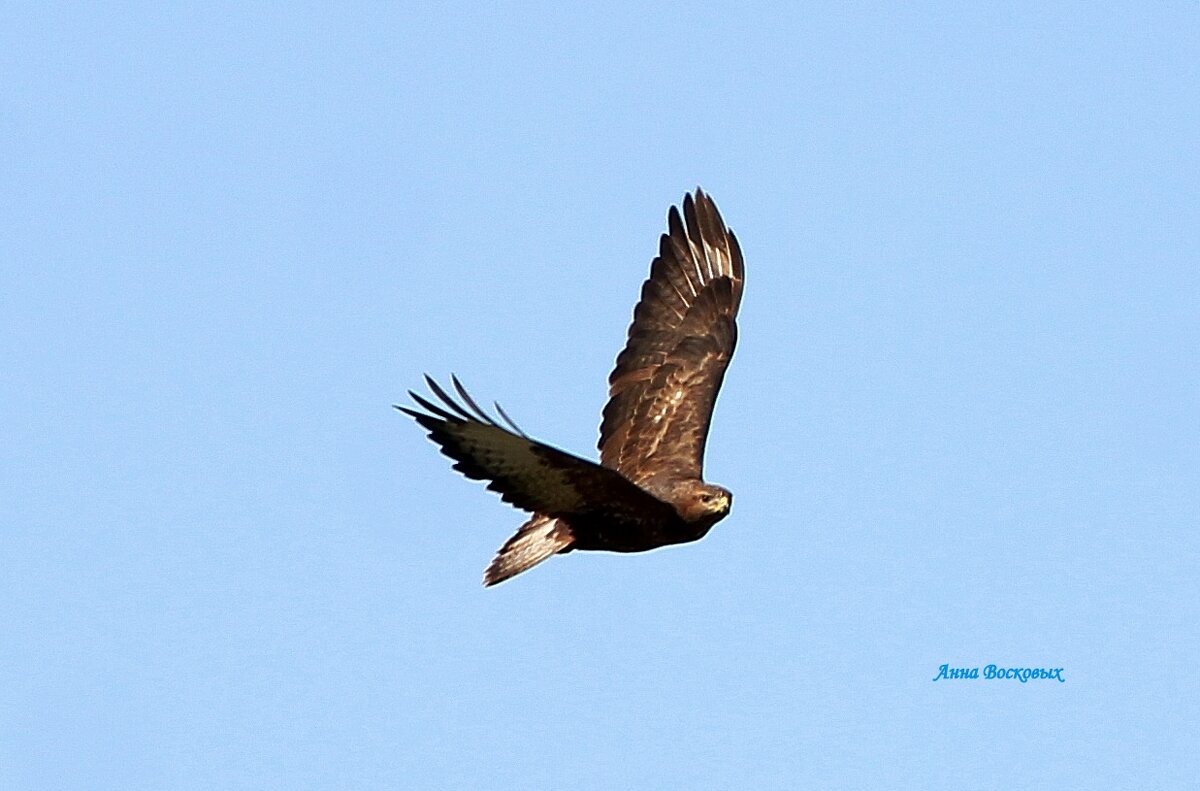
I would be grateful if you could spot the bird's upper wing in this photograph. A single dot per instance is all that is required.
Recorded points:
(526, 473)
(664, 385)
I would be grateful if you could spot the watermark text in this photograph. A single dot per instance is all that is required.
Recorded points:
(1022, 674)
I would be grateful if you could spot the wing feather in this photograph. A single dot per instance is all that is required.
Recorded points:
(665, 383)
(526, 473)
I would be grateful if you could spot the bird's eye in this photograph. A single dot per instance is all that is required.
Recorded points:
(706, 498)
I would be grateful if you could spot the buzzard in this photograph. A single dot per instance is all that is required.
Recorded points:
(647, 490)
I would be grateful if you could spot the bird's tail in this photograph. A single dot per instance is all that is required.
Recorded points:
(536, 540)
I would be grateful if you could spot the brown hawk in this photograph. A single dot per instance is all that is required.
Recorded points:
(647, 490)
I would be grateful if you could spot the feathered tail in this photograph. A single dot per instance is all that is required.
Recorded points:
(536, 540)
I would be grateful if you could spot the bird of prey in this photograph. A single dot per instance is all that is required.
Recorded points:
(647, 491)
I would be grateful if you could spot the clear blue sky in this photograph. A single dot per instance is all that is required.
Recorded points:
(961, 425)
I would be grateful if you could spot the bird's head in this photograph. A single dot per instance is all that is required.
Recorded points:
(705, 502)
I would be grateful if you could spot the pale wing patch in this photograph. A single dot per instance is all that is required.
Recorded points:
(667, 406)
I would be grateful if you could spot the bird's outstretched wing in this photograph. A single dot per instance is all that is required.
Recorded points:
(526, 473)
(664, 385)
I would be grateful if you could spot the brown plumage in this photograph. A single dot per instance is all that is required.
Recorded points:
(647, 490)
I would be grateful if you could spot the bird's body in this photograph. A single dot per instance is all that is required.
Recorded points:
(647, 491)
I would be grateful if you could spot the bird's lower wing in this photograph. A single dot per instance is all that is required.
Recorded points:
(528, 474)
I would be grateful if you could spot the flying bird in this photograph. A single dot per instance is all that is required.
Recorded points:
(647, 491)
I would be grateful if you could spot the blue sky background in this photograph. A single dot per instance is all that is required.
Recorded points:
(961, 425)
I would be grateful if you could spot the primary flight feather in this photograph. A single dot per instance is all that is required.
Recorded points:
(647, 491)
